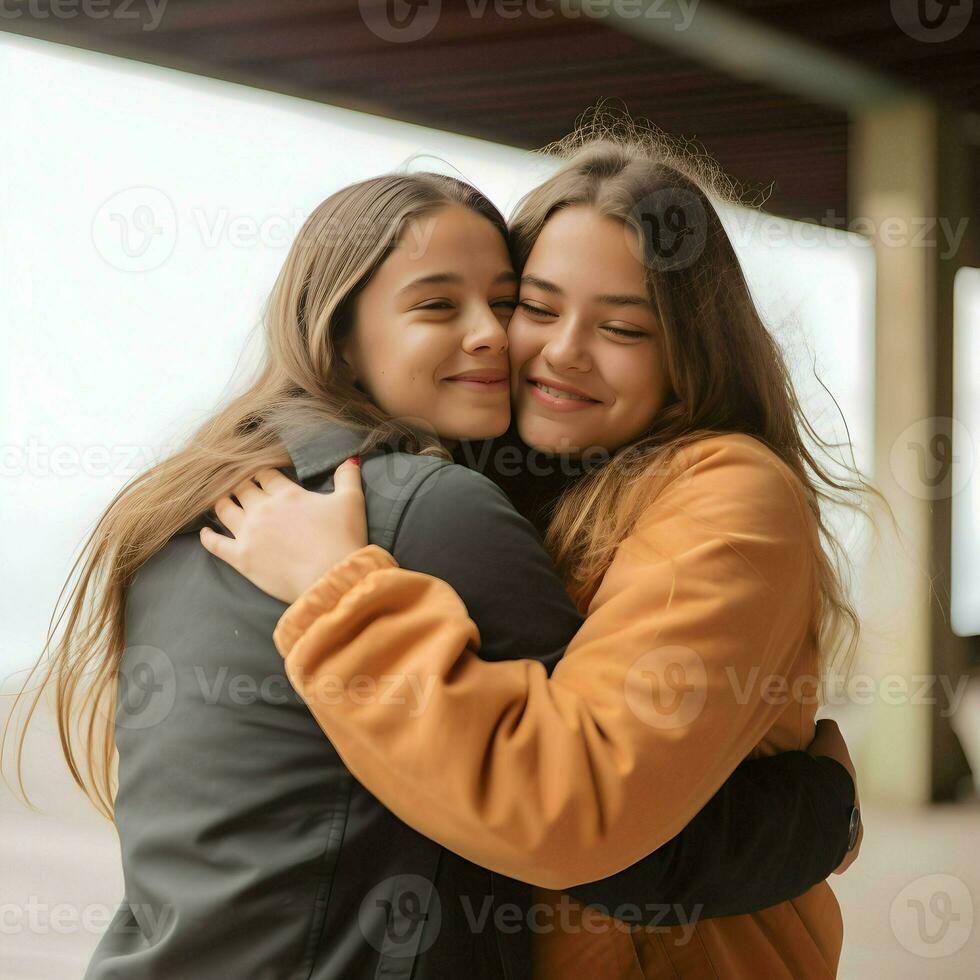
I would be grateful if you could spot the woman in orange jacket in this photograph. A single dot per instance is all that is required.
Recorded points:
(694, 541)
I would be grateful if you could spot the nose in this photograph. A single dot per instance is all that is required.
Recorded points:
(566, 349)
(484, 332)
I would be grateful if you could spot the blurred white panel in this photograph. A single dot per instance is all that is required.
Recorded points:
(814, 287)
(965, 612)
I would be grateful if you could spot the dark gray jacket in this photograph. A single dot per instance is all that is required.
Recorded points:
(250, 852)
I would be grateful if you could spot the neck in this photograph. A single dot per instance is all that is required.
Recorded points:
(531, 478)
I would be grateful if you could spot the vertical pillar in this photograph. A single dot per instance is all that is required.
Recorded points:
(904, 176)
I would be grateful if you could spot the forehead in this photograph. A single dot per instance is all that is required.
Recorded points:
(452, 236)
(582, 246)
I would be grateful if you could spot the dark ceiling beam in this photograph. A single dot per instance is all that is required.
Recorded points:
(499, 53)
(182, 16)
(750, 50)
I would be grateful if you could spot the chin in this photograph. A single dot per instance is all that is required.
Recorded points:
(546, 435)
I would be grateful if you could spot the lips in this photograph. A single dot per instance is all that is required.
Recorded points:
(559, 397)
(560, 390)
(486, 377)
(482, 382)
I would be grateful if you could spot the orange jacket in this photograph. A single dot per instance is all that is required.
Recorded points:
(700, 649)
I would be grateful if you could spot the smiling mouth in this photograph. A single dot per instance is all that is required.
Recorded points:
(562, 395)
(483, 384)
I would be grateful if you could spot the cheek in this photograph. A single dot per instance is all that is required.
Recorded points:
(639, 385)
(410, 355)
(522, 345)
(395, 368)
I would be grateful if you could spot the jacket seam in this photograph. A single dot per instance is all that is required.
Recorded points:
(325, 879)
(398, 511)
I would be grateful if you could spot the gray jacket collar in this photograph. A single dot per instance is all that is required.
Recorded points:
(323, 450)
(313, 452)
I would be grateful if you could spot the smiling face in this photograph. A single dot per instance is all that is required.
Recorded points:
(587, 364)
(429, 339)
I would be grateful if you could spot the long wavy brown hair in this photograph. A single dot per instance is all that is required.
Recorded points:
(726, 372)
(301, 383)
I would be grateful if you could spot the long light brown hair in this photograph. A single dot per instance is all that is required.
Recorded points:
(302, 382)
(726, 372)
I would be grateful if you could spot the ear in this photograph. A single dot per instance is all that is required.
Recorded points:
(347, 352)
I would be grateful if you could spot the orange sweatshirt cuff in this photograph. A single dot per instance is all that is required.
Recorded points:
(325, 593)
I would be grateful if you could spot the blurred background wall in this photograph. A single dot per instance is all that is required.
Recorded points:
(157, 160)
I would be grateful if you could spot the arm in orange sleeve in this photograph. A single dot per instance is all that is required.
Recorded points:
(568, 779)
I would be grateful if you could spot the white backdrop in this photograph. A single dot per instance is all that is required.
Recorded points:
(145, 214)
(965, 612)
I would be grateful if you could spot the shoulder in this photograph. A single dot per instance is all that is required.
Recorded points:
(738, 465)
(436, 471)
(436, 481)
(459, 526)
(401, 470)
(438, 499)
(733, 483)
(410, 478)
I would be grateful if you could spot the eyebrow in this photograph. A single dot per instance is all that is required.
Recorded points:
(608, 299)
(455, 279)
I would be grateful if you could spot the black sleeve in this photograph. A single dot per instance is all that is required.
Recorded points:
(775, 828)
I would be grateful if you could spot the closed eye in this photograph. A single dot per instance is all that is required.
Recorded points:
(535, 310)
(623, 332)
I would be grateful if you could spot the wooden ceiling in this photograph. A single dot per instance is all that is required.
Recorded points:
(523, 80)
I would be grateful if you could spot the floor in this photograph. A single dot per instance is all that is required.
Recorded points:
(910, 902)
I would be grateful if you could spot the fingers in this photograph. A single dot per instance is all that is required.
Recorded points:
(229, 513)
(851, 856)
(271, 480)
(828, 740)
(347, 476)
(828, 726)
(827, 729)
(247, 492)
(219, 546)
